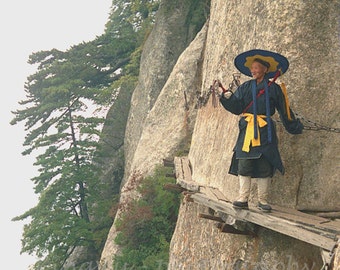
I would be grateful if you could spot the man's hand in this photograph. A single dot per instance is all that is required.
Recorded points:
(227, 94)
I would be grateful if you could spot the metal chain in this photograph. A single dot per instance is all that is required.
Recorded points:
(214, 88)
(311, 125)
(214, 92)
(234, 83)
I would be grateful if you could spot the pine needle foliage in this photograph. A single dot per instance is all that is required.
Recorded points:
(146, 227)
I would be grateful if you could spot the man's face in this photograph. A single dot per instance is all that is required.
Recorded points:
(258, 70)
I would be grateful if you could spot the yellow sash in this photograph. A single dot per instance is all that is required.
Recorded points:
(249, 137)
(284, 91)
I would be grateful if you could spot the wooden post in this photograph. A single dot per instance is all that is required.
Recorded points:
(210, 217)
(172, 175)
(226, 228)
(173, 187)
(168, 163)
(187, 196)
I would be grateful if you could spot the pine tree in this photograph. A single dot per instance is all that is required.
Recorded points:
(64, 128)
(58, 125)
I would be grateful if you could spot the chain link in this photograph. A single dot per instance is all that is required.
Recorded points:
(311, 125)
(214, 89)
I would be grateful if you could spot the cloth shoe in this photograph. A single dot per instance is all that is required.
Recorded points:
(241, 205)
(264, 207)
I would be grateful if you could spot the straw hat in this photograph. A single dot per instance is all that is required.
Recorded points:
(272, 60)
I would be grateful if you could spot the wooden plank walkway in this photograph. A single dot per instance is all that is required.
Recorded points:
(318, 231)
(183, 174)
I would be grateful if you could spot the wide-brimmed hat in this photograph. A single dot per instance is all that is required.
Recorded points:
(276, 61)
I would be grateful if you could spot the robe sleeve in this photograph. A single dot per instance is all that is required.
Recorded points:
(293, 126)
(235, 103)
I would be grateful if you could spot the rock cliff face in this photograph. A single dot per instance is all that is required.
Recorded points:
(307, 33)
(162, 114)
(172, 33)
(298, 30)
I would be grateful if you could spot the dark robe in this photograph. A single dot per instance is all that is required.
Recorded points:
(238, 102)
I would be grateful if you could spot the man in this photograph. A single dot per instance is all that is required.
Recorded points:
(256, 153)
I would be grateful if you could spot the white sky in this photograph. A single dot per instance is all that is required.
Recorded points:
(28, 26)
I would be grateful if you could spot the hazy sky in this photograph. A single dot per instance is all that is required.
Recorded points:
(28, 26)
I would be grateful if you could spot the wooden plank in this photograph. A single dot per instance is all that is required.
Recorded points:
(183, 174)
(319, 209)
(219, 195)
(295, 215)
(168, 163)
(208, 192)
(309, 222)
(312, 225)
(186, 169)
(295, 212)
(286, 227)
(331, 225)
(328, 214)
(178, 169)
(191, 186)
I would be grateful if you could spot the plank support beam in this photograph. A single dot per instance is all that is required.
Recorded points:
(226, 228)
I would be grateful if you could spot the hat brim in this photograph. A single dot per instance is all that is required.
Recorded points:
(277, 62)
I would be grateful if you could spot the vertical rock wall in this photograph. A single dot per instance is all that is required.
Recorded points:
(170, 36)
(307, 33)
(160, 122)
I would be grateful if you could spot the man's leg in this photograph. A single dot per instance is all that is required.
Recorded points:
(262, 188)
(245, 168)
(244, 192)
(265, 172)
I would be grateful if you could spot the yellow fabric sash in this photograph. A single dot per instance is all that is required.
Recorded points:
(284, 91)
(249, 137)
